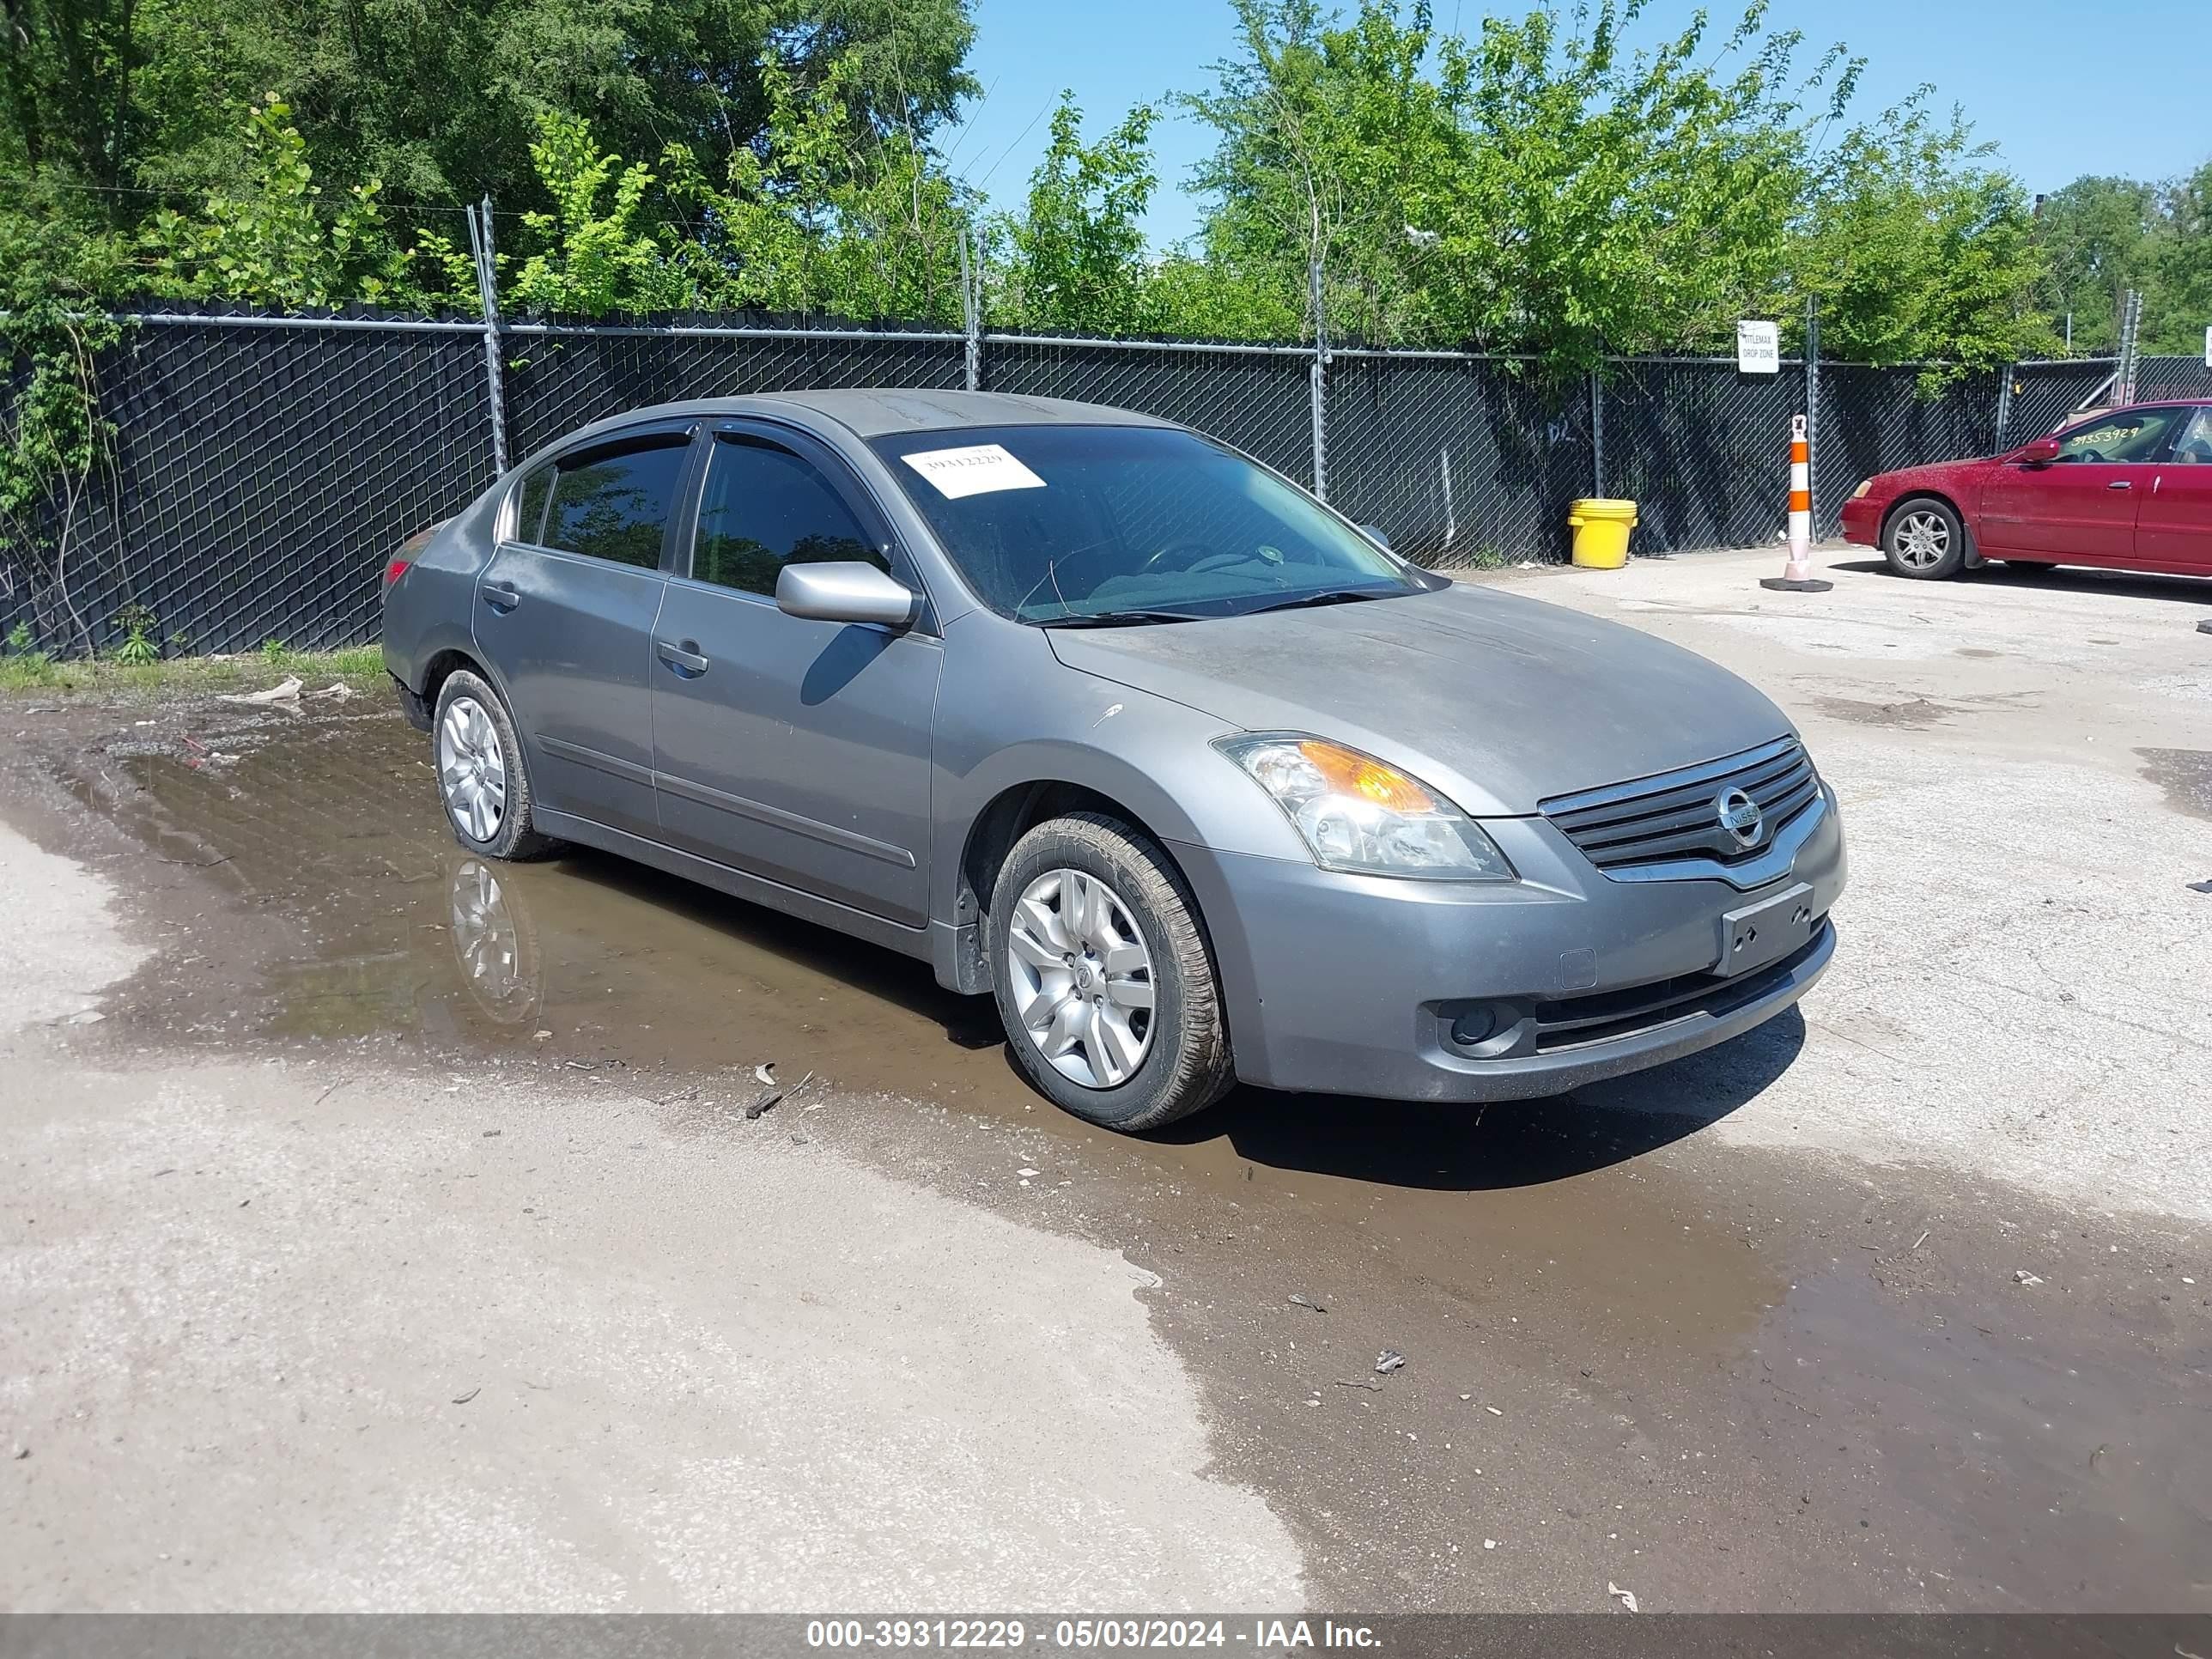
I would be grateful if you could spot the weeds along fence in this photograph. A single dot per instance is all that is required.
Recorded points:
(263, 467)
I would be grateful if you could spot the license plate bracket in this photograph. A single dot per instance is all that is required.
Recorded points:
(1757, 934)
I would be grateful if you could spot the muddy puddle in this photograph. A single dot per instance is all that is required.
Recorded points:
(1690, 1340)
(319, 899)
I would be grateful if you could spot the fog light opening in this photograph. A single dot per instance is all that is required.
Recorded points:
(1473, 1024)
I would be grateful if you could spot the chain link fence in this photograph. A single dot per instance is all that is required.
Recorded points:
(263, 467)
(560, 377)
(2171, 377)
(1458, 460)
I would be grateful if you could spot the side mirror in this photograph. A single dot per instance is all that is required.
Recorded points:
(2041, 452)
(845, 592)
(1376, 533)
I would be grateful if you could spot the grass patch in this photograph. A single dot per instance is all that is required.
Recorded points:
(28, 673)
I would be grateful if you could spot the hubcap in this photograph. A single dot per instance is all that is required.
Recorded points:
(472, 769)
(1081, 978)
(1922, 539)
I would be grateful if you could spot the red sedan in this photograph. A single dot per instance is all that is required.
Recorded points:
(2128, 489)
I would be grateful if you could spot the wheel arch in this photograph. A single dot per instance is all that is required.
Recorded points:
(441, 667)
(1002, 820)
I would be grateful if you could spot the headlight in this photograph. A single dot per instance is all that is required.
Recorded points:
(1358, 815)
(1865, 484)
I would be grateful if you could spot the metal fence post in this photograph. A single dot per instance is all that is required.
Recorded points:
(1813, 407)
(1597, 435)
(2004, 404)
(480, 244)
(1317, 383)
(971, 315)
(2124, 379)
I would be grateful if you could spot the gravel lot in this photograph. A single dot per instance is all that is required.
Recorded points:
(352, 1256)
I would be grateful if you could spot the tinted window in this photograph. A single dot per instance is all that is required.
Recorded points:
(2130, 434)
(763, 509)
(530, 504)
(614, 503)
(1052, 522)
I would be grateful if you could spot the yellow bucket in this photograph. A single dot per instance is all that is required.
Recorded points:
(1601, 530)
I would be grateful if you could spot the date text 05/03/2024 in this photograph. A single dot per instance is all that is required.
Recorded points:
(1083, 1634)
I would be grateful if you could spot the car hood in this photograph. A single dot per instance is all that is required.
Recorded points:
(1950, 477)
(1498, 701)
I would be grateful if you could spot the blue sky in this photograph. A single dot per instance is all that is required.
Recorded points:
(2061, 90)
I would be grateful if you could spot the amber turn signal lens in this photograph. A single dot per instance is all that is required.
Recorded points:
(1352, 773)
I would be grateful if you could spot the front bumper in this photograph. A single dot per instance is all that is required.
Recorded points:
(1863, 521)
(1348, 984)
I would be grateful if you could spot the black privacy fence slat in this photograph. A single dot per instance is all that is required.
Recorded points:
(260, 478)
(263, 468)
(2044, 394)
(1702, 450)
(1460, 462)
(2172, 377)
(561, 379)
(1257, 400)
(1875, 420)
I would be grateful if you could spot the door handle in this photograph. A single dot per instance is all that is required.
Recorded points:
(501, 599)
(683, 659)
(2120, 483)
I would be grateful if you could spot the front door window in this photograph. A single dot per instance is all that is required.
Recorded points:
(2127, 435)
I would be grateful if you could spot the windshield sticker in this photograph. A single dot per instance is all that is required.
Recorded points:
(975, 470)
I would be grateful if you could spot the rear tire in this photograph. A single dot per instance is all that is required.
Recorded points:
(1104, 977)
(483, 779)
(1924, 540)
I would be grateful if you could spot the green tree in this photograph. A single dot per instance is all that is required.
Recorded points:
(817, 224)
(442, 102)
(1915, 249)
(1076, 256)
(599, 253)
(1628, 202)
(272, 238)
(2100, 237)
(1541, 189)
(1333, 146)
(2177, 315)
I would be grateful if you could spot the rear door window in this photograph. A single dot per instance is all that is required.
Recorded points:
(614, 502)
(2194, 446)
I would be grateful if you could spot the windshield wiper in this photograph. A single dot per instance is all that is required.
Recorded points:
(1328, 596)
(1116, 618)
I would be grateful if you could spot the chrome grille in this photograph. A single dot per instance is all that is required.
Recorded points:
(1677, 814)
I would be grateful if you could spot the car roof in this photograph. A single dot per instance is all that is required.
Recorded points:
(879, 411)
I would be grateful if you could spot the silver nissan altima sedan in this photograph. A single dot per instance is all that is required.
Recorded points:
(1105, 720)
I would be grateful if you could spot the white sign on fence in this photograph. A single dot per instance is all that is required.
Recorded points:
(2208, 347)
(1757, 348)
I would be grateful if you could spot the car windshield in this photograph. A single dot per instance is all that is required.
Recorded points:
(1091, 525)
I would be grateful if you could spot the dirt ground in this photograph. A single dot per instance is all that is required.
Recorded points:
(380, 1228)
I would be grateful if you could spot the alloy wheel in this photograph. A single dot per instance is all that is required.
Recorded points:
(1082, 978)
(472, 769)
(1922, 539)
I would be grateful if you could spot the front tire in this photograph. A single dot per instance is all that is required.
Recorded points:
(483, 778)
(1924, 540)
(1104, 977)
